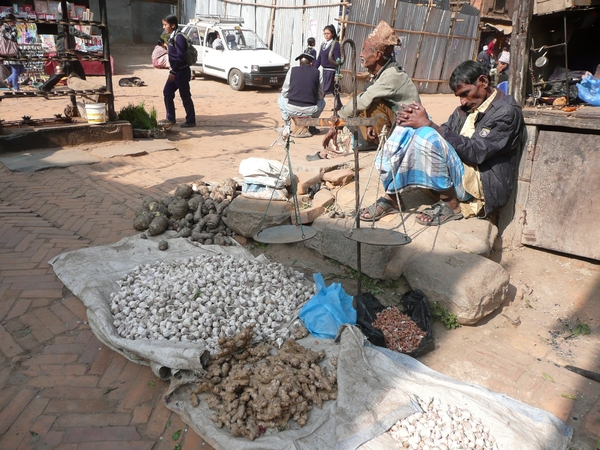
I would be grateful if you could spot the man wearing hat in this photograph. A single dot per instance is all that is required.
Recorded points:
(383, 97)
(484, 58)
(302, 93)
(502, 68)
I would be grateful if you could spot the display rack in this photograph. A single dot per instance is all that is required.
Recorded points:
(34, 68)
(34, 58)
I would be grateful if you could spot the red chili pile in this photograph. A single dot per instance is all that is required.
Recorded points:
(401, 333)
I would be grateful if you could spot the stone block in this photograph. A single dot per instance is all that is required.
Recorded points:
(468, 285)
(244, 215)
(304, 180)
(339, 177)
(323, 198)
(331, 242)
(308, 215)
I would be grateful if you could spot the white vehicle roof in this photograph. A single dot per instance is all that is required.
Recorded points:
(216, 20)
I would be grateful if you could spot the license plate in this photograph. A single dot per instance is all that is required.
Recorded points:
(273, 80)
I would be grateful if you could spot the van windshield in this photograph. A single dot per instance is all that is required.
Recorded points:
(238, 39)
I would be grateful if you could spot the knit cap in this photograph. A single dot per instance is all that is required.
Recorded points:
(383, 36)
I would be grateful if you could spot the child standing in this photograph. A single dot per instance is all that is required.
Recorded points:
(310, 50)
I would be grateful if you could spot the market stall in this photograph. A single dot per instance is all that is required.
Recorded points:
(40, 26)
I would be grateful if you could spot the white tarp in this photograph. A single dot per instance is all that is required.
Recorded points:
(377, 387)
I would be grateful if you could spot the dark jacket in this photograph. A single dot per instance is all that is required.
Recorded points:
(484, 59)
(177, 48)
(304, 86)
(494, 146)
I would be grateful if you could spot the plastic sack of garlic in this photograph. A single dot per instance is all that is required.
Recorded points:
(208, 297)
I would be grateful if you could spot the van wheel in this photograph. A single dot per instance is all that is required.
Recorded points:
(236, 80)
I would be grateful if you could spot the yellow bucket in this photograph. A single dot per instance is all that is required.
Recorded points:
(95, 112)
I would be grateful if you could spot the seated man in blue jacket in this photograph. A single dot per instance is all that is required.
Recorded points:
(470, 160)
(302, 92)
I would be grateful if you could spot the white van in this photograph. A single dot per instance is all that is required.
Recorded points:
(240, 56)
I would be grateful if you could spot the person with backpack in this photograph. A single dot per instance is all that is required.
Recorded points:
(179, 74)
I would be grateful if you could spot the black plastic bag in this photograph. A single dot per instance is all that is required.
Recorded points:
(415, 306)
(367, 307)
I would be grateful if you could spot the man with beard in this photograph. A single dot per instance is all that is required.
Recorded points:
(388, 89)
(470, 160)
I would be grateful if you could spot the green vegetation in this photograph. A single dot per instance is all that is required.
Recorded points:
(443, 315)
(375, 287)
(139, 117)
(580, 328)
(548, 377)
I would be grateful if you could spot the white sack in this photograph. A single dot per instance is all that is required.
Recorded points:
(263, 171)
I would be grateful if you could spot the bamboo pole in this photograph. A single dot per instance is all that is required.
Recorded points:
(400, 30)
(272, 24)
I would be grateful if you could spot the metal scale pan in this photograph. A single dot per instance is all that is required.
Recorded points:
(285, 234)
(377, 236)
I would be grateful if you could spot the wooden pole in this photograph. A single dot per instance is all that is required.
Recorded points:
(519, 50)
(107, 66)
(272, 24)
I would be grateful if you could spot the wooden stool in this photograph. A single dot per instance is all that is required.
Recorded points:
(299, 131)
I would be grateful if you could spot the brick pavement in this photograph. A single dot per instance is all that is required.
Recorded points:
(60, 388)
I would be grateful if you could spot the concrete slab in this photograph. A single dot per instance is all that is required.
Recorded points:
(63, 135)
(470, 236)
(43, 159)
(133, 148)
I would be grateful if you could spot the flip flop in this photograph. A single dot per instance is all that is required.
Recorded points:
(387, 207)
(315, 157)
(436, 212)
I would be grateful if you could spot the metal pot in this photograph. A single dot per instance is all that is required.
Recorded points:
(541, 61)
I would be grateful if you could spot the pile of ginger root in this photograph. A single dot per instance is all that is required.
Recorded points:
(252, 389)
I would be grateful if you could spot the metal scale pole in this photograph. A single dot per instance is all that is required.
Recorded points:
(372, 236)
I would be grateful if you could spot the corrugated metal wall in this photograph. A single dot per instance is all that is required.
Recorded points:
(433, 42)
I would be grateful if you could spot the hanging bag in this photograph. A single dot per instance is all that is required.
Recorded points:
(8, 47)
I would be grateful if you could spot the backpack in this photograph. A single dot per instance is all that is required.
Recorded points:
(191, 54)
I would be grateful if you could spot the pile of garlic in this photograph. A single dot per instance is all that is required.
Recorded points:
(442, 427)
(207, 297)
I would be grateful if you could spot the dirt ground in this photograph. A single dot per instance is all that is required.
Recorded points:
(520, 350)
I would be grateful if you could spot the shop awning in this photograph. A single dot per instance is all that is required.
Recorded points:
(505, 29)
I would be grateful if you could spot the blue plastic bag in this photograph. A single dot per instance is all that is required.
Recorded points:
(589, 90)
(327, 310)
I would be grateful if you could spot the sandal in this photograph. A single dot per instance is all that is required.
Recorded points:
(315, 157)
(387, 207)
(436, 212)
